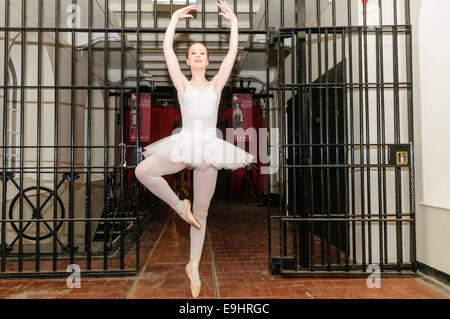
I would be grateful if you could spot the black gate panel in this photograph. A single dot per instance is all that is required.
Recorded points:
(346, 147)
(64, 206)
(68, 197)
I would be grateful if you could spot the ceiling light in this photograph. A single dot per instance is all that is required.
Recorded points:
(176, 2)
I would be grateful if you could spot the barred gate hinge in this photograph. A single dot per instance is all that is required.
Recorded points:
(271, 37)
(285, 33)
(276, 36)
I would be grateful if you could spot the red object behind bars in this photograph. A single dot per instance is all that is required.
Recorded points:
(161, 126)
(144, 118)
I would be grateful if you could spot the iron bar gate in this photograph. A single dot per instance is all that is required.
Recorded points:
(346, 143)
(71, 228)
(324, 220)
(103, 240)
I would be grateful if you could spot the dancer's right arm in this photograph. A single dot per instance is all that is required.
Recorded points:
(177, 76)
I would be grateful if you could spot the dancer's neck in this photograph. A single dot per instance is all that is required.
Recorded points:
(198, 76)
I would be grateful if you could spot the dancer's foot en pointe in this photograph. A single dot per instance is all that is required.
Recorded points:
(184, 210)
(194, 277)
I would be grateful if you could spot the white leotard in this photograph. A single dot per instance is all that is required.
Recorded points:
(198, 143)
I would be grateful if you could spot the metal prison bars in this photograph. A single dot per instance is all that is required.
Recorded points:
(7, 268)
(20, 266)
(292, 221)
(316, 222)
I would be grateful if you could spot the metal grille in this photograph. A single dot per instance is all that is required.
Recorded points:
(346, 148)
(69, 196)
(341, 151)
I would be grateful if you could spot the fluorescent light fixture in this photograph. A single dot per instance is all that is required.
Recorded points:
(259, 38)
(259, 76)
(175, 2)
(82, 38)
(114, 75)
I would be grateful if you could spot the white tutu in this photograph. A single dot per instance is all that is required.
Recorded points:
(197, 144)
(198, 152)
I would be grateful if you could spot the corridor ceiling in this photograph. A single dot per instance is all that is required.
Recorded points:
(251, 56)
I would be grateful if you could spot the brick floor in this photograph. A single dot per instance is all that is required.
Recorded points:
(233, 265)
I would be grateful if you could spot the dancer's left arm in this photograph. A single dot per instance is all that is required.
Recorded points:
(226, 67)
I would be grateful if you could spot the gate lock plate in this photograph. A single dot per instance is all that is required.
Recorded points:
(399, 154)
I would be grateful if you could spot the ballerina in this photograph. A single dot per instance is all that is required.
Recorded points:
(196, 145)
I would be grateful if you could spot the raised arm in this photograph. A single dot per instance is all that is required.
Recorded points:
(226, 67)
(177, 76)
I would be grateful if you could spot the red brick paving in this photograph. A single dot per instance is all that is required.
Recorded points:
(233, 265)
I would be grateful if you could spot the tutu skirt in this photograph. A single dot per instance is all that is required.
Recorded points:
(199, 151)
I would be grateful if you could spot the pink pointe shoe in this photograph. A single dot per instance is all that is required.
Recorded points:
(190, 217)
(195, 290)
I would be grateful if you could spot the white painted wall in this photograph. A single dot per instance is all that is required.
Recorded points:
(431, 119)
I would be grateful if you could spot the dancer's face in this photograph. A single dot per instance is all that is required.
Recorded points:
(197, 56)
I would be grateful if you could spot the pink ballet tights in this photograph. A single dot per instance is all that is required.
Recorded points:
(150, 171)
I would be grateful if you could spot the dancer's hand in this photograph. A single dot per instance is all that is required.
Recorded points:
(226, 10)
(182, 13)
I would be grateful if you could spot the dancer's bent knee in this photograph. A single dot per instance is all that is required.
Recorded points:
(144, 168)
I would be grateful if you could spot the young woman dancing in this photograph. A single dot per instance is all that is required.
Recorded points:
(196, 146)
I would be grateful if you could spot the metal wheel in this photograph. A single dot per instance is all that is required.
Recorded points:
(31, 212)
